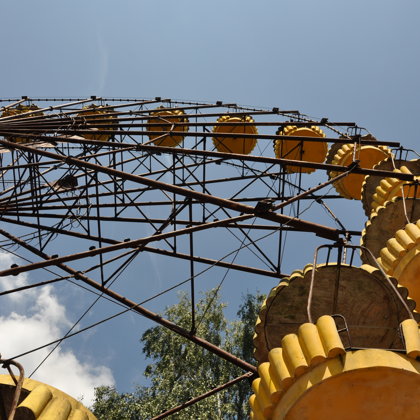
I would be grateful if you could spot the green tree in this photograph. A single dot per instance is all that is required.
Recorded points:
(109, 404)
(180, 370)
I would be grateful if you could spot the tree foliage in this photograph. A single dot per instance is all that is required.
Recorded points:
(180, 370)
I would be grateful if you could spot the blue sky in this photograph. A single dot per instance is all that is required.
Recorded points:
(349, 61)
(357, 60)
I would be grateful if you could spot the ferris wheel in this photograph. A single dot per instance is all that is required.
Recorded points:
(89, 187)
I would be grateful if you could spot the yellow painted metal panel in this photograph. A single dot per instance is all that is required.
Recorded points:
(90, 112)
(237, 144)
(172, 121)
(411, 334)
(57, 409)
(307, 151)
(47, 403)
(368, 156)
(329, 336)
(311, 343)
(36, 401)
(293, 354)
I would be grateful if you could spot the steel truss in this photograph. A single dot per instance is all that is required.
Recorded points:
(67, 198)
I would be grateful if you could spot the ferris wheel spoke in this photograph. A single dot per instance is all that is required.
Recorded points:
(171, 253)
(115, 247)
(318, 229)
(93, 190)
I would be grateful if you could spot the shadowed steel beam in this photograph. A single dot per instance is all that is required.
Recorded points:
(217, 263)
(114, 247)
(140, 309)
(228, 222)
(13, 130)
(72, 112)
(203, 396)
(186, 106)
(41, 110)
(135, 243)
(220, 155)
(122, 245)
(106, 120)
(165, 252)
(320, 230)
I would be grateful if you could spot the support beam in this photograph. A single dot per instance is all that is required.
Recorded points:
(226, 156)
(203, 396)
(8, 129)
(319, 230)
(116, 247)
(202, 260)
(140, 309)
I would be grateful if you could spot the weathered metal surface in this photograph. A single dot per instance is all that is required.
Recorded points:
(369, 305)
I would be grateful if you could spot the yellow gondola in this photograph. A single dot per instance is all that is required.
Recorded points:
(372, 182)
(18, 110)
(385, 222)
(351, 186)
(95, 117)
(344, 365)
(400, 258)
(169, 121)
(307, 151)
(240, 125)
(41, 401)
(362, 296)
(311, 375)
(389, 188)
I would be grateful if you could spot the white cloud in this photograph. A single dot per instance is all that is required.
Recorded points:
(11, 282)
(37, 317)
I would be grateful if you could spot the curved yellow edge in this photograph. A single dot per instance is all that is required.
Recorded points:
(389, 188)
(372, 182)
(91, 111)
(400, 258)
(239, 145)
(351, 186)
(410, 330)
(313, 365)
(18, 110)
(313, 344)
(45, 402)
(170, 121)
(307, 151)
(380, 221)
(259, 340)
(367, 201)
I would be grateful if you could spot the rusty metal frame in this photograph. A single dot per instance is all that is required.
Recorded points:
(207, 394)
(137, 308)
(340, 246)
(126, 125)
